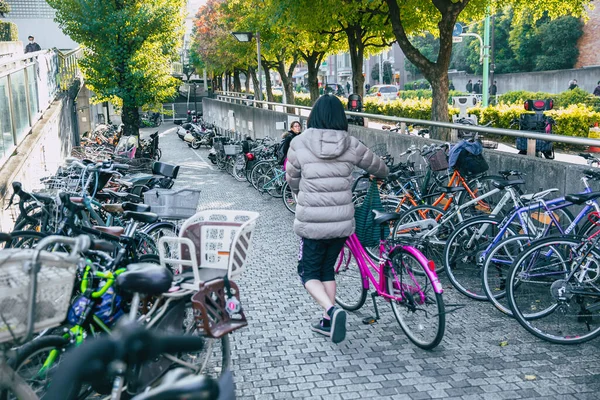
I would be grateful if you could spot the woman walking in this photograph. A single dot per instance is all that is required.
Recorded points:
(318, 170)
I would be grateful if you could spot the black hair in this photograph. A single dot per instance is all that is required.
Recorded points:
(598, 82)
(295, 122)
(30, 37)
(328, 113)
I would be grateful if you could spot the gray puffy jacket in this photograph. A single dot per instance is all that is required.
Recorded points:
(319, 169)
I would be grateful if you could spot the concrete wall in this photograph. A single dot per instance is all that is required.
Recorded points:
(11, 49)
(543, 81)
(540, 173)
(39, 155)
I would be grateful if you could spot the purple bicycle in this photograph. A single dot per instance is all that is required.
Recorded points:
(403, 276)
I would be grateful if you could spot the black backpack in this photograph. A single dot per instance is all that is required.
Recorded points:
(471, 164)
(280, 150)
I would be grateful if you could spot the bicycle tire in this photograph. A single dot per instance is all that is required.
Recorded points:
(239, 168)
(289, 199)
(407, 310)
(24, 239)
(347, 269)
(463, 251)
(562, 309)
(495, 270)
(479, 186)
(258, 170)
(25, 356)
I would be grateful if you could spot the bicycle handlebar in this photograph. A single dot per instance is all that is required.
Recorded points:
(131, 344)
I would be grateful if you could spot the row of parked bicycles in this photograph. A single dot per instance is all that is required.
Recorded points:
(534, 256)
(114, 286)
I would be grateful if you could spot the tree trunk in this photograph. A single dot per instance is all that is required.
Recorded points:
(237, 84)
(439, 106)
(357, 52)
(254, 81)
(313, 62)
(247, 73)
(266, 67)
(130, 117)
(436, 73)
(286, 80)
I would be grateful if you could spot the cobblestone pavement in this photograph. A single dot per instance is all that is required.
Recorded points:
(278, 357)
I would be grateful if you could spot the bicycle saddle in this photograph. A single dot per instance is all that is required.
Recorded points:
(146, 217)
(383, 217)
(128, 206)
(580, 198)
(145, 278)
(452, 189)
(504, 183)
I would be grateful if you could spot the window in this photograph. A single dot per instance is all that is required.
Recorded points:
(6, 138)
(19, 102)
(32, 87)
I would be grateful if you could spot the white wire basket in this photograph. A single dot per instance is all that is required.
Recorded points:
(55, 281)
(213, 243)
(173, 204)
(232, 149)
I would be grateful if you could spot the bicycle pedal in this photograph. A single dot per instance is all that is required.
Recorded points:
(369, 320)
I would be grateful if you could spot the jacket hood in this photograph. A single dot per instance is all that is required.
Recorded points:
(326, 143)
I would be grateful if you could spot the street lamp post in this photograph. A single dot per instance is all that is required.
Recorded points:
(246, 37)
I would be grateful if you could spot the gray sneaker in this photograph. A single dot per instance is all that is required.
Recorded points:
(338, 324)
(319, 328)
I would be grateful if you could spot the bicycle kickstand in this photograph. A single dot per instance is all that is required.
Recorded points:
(372, 320)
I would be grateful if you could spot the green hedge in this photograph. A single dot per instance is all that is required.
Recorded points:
(561, 100)
(8, 32)
(573, 114)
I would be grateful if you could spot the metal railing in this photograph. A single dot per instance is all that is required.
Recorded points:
(68, 67)
(529, 135)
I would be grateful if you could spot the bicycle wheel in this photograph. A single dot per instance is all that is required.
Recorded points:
(496, 265)
(259, 170)
(433, 245)
(273, 185)
(289, 199)
(553, 290)
(417, 307)
(350, 293)
(480, 186)
(23, 239)
(229, 163)
(239, 168)
(215, 356)
(465, 252)
(32, 364)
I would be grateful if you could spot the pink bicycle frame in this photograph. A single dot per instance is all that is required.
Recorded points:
(366, 264)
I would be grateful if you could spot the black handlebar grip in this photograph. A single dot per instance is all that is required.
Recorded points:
(17, 187)
(82, 364)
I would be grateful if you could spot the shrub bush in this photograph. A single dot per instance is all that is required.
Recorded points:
(8, 32)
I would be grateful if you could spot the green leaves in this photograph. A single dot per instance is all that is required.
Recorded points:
(129, 46)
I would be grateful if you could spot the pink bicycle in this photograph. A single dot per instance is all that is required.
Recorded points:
(406, 279)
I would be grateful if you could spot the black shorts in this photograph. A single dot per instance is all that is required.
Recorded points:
(317, 258)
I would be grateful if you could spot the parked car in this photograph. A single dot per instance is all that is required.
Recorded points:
(385, 92)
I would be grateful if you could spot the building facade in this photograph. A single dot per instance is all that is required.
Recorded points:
(36, 18)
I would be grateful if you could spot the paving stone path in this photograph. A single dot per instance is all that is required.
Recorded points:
(278, 357)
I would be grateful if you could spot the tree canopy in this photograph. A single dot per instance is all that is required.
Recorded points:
(128, 46)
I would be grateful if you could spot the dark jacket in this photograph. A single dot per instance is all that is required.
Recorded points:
(493, 90)
(573, 86)
(287, 139)
(32, 47)
(469, 87)
(597, 91)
